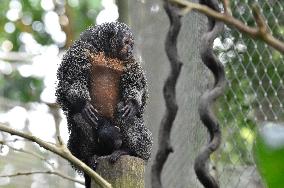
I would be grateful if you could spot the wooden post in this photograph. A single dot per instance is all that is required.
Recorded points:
(127, 172)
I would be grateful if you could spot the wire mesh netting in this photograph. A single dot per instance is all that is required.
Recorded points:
(254, 93)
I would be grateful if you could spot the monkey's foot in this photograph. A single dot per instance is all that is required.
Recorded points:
(116, 155)
(128, 110)
(93, 162)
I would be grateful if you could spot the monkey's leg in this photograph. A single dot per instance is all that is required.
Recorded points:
(92, 162)
(84, 128)
(87, 180)
(138, 137)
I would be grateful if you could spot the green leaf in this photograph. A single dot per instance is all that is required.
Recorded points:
(269, 155)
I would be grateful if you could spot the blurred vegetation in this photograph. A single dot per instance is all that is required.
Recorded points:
(255, 82)
(35, 32)
(74, 16)
(269, 152)
(19, 17)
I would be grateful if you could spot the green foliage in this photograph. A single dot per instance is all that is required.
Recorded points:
(74, 17)
(19, 88)
(86, 11)
(80, 15)
(269, 158)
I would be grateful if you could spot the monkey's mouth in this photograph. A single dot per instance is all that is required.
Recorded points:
(125, 53)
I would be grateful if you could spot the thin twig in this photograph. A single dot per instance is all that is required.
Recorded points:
(60, 150)
(54, 110)
(254, 32)
(259, 19)
(43, 172)
(7, 104)
(227, 7)
(17, 56)
(12, 140)
(169, 91)
(34, 154)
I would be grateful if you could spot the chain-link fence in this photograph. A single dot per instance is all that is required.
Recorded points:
(254, 93)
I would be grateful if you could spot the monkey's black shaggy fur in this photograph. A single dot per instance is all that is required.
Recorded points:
(74, 86)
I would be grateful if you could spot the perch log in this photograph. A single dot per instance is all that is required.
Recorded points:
(127, 172)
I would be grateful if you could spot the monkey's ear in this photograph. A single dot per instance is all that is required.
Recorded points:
(113, 31)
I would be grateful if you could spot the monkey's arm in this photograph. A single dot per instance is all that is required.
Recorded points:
(73, 74)
(134, 91)
(72, 89)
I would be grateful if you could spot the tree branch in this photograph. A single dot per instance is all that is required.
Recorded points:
(169, 91)
(60, 150)
(259, 32)
(259, 19)
(43, 172)
(207, 99)
(227, 7)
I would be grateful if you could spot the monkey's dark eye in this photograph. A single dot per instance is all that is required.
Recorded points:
(126, 42)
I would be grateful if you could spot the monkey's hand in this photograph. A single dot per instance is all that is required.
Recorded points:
(129, 109)
(90, 114)
(117, 154)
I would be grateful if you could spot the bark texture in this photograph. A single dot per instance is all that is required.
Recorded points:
(127, 172)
